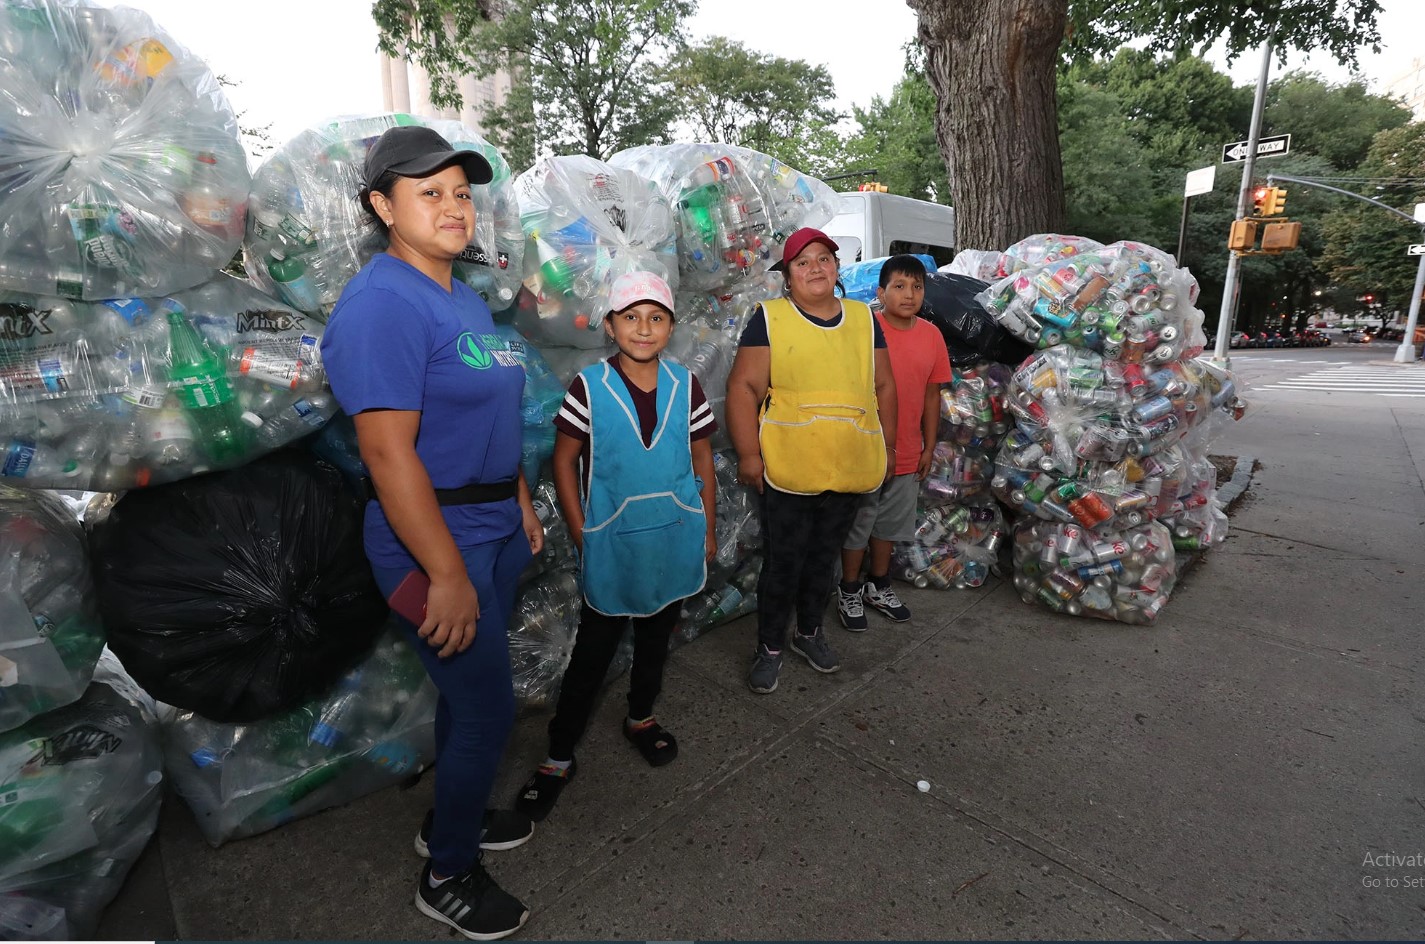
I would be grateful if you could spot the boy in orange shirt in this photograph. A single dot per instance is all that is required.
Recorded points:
(920, 363)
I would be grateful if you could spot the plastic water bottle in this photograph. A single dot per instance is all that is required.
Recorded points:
(207, 201)
(340, 714)
(293, 421)
(294, 282)
(203, 388)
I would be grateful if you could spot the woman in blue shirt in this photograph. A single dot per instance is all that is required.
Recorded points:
(413, 357)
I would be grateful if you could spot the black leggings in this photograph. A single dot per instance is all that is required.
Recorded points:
(801, 536)
(594, 648)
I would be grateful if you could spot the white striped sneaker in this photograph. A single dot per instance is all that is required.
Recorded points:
(472, 904)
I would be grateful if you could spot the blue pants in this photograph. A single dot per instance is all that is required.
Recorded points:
(476, 707)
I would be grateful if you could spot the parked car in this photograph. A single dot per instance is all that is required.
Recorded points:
(1360, 336)
(1314, 338)
(1238, 339)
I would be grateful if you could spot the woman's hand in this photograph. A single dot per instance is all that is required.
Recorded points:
(533, 528)
(452, 609)
(749, 472)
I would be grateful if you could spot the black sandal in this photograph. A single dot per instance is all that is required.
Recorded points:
(541, 791)
(656, 744)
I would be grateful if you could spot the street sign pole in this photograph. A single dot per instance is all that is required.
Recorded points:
(1234, 262)
(1406, 352)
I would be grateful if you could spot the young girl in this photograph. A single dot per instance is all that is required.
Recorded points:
(639, 429)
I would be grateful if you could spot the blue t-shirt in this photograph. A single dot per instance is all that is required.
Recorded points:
(399, 341)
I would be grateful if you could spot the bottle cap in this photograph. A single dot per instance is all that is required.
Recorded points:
(251, 419)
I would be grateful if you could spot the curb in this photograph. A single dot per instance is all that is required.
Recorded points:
(1241, 480)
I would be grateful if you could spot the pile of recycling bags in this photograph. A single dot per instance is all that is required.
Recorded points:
(1098, 462)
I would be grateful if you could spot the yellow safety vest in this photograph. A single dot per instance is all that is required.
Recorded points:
(820, 428)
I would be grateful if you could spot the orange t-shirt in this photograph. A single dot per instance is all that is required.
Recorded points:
(918, 359)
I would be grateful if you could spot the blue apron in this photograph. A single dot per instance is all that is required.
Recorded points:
(644, 527)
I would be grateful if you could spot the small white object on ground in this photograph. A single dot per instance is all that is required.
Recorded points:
(923, 786)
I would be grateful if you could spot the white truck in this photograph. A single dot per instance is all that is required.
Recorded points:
(871, 224)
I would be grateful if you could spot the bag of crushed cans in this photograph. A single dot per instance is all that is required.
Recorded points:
(121, 173)
(1118, 575)
(1127, 301)
(307, 233)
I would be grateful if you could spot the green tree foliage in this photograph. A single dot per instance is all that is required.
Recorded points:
(1341, 27)
(1365, 249)
(897, 137)
(587, 70)
(735, 95)
(1337, 122)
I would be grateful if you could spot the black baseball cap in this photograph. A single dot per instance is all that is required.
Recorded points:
(416, 151)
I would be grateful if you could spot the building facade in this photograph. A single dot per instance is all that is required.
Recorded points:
(1410, 87)
(405, 87)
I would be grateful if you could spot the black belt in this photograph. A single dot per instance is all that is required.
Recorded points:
(476, 493)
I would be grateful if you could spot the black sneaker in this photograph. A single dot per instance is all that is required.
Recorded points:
(472, 904)
(886, 602)
(503, 829)
(541, 791)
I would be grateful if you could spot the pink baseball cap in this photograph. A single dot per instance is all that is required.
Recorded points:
(633, 287)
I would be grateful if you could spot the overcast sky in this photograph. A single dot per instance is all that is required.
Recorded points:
(299, 62)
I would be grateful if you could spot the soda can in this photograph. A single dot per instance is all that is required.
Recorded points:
(1103, 551)
(917, 557)
(1047, 552)
(1107, 568)
(1152, 408)
(1053, 509)
(1071, 539)
(1066, 585)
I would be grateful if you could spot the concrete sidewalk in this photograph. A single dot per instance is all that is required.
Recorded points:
(1220, 775)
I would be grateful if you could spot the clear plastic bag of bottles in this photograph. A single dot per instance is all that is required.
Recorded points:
(982, 264)
(730, 600)
(586, 223)
(238, 594)
(1128, 301)
(121, 172)
(542, 630)
(1042, 249)
(79, 795)
(735, 207)
(307, 233)
(372, 729)
(50, 635)
(133, 392)
(559, 552)
(1123, 575)
(540, 402)
(861, 279)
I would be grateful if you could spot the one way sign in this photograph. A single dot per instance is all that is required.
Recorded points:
(1274, 146)
(1418, 249)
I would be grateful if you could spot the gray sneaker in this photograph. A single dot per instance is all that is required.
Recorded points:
(817, 651)
(765, 669)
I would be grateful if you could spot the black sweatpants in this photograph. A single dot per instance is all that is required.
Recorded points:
(801, 539)
(594, 647)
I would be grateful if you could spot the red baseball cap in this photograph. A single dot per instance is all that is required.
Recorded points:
(798, 241)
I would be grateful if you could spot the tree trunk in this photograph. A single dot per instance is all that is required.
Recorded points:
(992, 66)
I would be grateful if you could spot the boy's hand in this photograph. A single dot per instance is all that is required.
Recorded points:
(890, 464)
(926, 458)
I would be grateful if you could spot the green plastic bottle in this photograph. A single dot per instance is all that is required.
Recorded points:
(200, 374)
(554, 268)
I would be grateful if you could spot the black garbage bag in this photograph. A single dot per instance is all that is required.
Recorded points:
(241, 593)
(971, 333)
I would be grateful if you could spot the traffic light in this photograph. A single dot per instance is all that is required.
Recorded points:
(1280, 237)
(1259, 197)
(1273, 202)
(1243, 235)
(874, 188)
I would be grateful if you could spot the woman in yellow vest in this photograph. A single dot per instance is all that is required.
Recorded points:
(811, 409)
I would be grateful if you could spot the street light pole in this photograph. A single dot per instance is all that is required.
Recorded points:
(1406, 352)
(1234, 262)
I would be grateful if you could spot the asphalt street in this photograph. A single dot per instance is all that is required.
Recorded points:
(1253, 766)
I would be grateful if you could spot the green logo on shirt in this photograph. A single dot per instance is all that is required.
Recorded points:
(472, 353)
